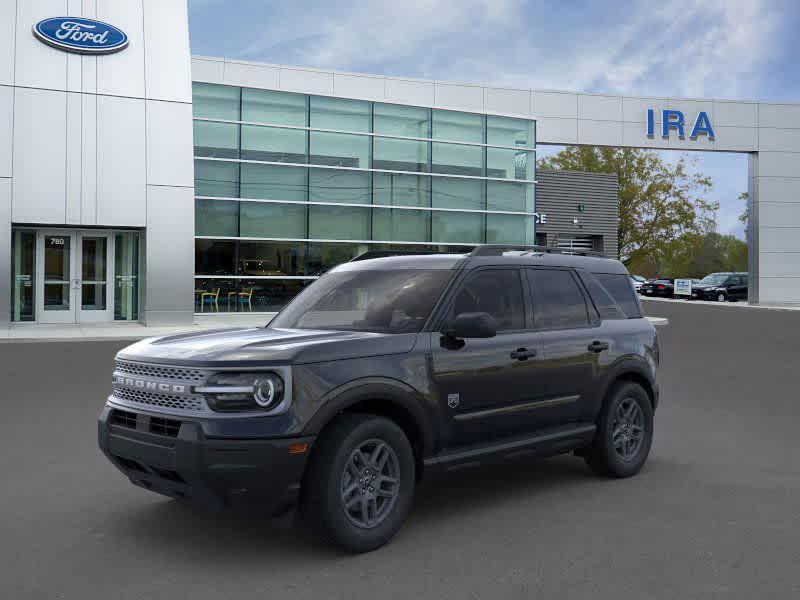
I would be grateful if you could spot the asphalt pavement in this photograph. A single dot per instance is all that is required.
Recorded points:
(714, 514)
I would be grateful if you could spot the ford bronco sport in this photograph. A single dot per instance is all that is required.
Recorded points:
(386, 370)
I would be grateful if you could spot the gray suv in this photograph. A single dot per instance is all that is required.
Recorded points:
(386, 370)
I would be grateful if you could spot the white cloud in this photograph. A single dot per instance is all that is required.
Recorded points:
(686, 47)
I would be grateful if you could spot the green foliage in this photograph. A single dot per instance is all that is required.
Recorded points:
(660, 203)
(695, 255)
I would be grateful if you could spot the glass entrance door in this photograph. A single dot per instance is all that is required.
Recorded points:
(94, 291)
(73, 274)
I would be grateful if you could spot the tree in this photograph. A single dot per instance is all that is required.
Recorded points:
(659, 202)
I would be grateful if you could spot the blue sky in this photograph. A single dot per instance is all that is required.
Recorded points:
(740, 49)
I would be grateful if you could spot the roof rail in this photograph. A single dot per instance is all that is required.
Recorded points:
(384, 253)
(499, 249)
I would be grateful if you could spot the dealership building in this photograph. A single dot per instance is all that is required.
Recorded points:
(139, 183)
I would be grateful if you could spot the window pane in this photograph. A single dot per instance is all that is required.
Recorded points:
(401, 225)
(605, 304)
(457, 159)
(339, 222)
(281, 108)
(261, 219)
(216, 139)
(557, 300)
(502, 195)
(451, 192)
(339, 150)
(126, 276)
(497, 292)
(273, 144)
(273, 182)
(270, 295)
(401, 190)
(407, 121)
(400, 155)
(460, 228)
(272, 258)
(457, 126)
(215, 295)
(507, 131)
(387, 301)
(215, 101)
(509, 229)
(337, 113)
(23, 259)
(621, 289)
(214, 257)
(212, 178)
(335, 185)
(323, 256)
(509, 164)
(216, 217)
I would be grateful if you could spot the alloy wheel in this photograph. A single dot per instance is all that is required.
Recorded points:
(628, 429)
(370, 483)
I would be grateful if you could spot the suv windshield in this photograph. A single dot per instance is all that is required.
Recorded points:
(714, 279)
(392, 301)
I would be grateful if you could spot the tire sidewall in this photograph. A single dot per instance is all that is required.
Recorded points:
(615, 464)
(344, 532)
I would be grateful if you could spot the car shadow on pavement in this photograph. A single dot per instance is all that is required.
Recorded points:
(171, 526)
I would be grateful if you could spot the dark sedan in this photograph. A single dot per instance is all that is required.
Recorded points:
(661, 288)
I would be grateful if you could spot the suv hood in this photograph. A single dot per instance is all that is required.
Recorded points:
(249, 346)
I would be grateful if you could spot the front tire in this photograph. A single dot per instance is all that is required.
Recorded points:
(624, 432)
(722, 297)
(359, 486)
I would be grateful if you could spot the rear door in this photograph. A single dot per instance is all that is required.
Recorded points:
(571, 341)
(739, 287)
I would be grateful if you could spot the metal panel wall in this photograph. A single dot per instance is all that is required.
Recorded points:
(558, 194)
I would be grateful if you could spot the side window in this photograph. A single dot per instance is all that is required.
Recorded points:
(621, 290)
(558, 301)
(605, 304)
(497, 292)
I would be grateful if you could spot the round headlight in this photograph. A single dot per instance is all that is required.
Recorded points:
(268, 391)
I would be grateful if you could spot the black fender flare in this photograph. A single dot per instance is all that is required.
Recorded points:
(393, 391)
(626, 366)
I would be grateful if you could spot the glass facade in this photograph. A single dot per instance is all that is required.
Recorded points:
(289, 185)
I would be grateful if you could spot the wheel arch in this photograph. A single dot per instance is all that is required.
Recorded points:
(388, 398)
(634, 371)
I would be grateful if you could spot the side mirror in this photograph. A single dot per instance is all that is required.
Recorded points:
(472, 325)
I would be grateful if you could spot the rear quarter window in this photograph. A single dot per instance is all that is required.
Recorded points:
(620, 288)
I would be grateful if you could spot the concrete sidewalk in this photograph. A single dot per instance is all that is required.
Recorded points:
(87, 332)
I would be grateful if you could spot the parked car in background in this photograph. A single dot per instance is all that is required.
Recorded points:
(638, 281)
(661, 288)
(722, 287)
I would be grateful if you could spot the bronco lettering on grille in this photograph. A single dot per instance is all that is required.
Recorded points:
(154, 386)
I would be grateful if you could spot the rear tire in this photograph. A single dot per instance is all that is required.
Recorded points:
(359, 485)
(624, 432)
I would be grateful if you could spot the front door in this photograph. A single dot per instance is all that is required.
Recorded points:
(73, 272)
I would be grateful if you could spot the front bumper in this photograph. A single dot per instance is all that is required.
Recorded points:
(173, 457)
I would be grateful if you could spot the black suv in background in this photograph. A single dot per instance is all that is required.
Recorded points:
(387, 370)
(721, 287)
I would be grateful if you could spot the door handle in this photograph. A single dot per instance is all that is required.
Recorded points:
(598, 346)
(523, 354)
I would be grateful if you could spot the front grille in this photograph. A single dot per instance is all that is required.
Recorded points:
(161, 426)
(172, 401)
(123, 418)
(125, 367)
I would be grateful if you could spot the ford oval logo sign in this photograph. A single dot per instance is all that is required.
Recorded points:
(76, 34)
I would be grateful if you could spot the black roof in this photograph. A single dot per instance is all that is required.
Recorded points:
(593, 264)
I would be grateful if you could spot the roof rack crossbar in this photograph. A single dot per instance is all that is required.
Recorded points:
(499, 249)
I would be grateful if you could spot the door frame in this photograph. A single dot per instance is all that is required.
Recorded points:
(75, 314)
